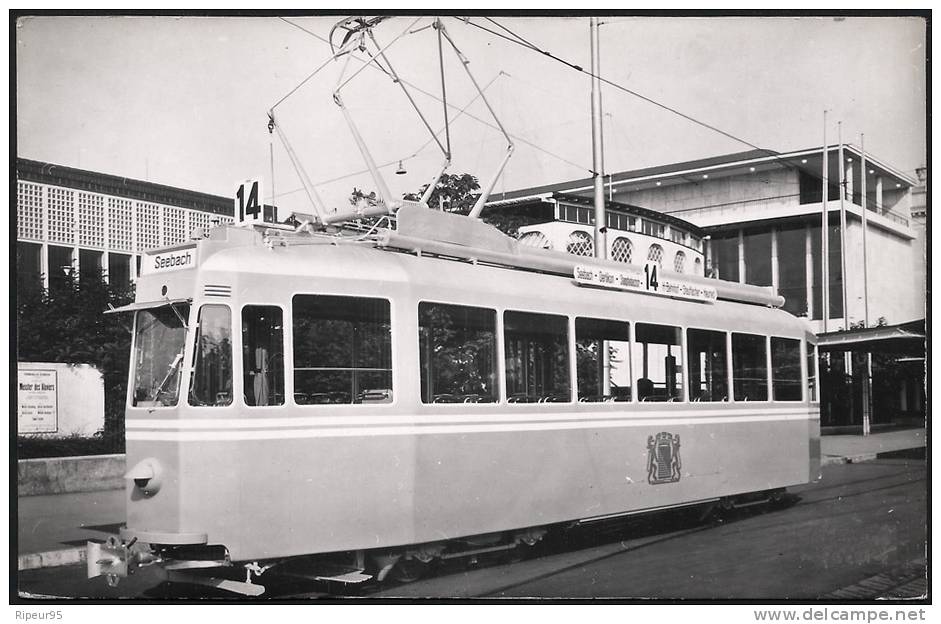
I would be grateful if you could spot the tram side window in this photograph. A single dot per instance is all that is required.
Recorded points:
(708, 365)
(211, 383)
(602, 360)
(749, 367)
(537, 358)
(158, 355)
(811, 372)
(262, 355)
(785, 369)
(342, 350)
(658, 362)
(458, 351)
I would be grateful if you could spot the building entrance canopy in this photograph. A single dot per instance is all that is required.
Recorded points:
(904, 338)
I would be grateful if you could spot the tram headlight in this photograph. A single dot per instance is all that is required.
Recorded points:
(147, 475)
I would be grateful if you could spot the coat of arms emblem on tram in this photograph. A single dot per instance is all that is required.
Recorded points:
(663, 458)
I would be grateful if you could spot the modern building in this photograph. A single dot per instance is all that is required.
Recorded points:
(761, 213)
(75, 220)
(919, 212)
(757, 216)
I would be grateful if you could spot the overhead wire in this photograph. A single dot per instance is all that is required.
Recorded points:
(523, 42)
(415, 153)
(519, 40)
(452, 106)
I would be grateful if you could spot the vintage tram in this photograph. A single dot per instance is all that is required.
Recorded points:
(407, 393)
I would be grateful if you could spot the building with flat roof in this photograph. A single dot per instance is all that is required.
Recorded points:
(70, 219)
(758, 216)
(761, 213)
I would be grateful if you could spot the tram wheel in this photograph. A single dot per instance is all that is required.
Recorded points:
(408, 570)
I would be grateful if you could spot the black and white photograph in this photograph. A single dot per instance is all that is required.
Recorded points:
(487, 307)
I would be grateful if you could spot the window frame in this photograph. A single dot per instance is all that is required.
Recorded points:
(235, 356)
(289, 385)
(767, 364)
(637, 366)
(569, 345)
(573, 331)
(499, 380)
(802, 380)
(728, 362)
(287, 348)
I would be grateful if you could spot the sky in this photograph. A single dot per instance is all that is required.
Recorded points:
(184, 101)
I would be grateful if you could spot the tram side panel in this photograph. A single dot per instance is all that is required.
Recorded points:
(491, 481)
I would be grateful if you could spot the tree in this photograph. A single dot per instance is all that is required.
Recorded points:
(455, 192)
(66, 324)
(359, 196)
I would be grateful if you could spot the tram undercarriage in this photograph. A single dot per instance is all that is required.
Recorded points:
(210, 566)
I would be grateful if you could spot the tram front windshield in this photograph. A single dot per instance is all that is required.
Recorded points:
(158, 355)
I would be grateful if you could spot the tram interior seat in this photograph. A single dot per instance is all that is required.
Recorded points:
(321, 398)
(522, 397)
(375, 395)
(462, 398)
(645, 390)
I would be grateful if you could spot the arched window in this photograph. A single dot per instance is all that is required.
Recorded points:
(535, 239)
(655, 254)
(580, 244)
(679, 262)
(622, 249)
(697, 266)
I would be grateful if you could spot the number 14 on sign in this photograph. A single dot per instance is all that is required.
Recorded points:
(248, 207)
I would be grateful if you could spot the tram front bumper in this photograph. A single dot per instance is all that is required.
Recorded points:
(116, 558)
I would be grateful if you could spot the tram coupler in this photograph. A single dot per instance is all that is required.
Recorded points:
(116, 558)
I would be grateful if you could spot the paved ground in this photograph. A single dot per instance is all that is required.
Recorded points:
(861, 448)
(858, 522)
(58, 521)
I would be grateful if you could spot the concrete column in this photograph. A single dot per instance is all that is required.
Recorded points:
(775, 280)
(878, 207)
(106, 235)
(809, 269)
(76, 259)
(741, 256)
(134, 243)
(161, 218)
(44, 260)
(849, 179)
(867, 395)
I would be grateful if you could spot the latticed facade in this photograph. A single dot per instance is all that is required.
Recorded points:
(74, 220)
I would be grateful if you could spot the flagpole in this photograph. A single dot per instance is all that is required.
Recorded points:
(842, 169)
(824, 233)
